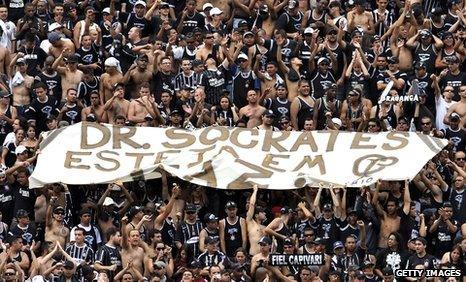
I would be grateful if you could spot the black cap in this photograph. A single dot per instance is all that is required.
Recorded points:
(210, 240)
(230, 205)
(68, 265)
(334, 4)
(242, 22)
(134, 210)
(318, 241)
(327, 207)
(175, 112)
(420, 65)
(210, 217)
(422, 240)
(269, 113)
(446, 34)
(288, 242)
(437, 11)
(393, 60)
(454, 116)
(387, 271)
(425, 33)
(190, 208)
(265, 240)
(4, 93)
(286, 210)
(356, 32)
(368, 263)
(447, 204)
(452, 59)
(22, 213)
(59, 209)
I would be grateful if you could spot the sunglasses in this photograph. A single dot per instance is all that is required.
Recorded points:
(425, 123)
(190, 212)
(460, 159)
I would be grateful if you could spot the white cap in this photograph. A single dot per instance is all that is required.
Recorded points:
(215, 11)
(243, 56)
(111, 62)
(140, 2)
(321, 59)
(20, 149)
(38, 278)
(207, 5)
(106, 10)
(337, 122)
(54, 26)
(308, 30)
(108, 202)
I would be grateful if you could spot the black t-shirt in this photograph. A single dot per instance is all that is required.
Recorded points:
(7, 203)
(35, 59)
(443, 238)
(162, 81)
(130, 20)
(191, 22)
(39, 111)
(393, 259)
(457, 137)
(73, 114)
(289, 23)
(328, 230)
(25, 199)
(454, 81)
(28, 234)
(427, 261)
(409, 229)
(53, 82)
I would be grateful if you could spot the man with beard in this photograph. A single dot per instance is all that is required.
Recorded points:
(137, 75)
(51, 78)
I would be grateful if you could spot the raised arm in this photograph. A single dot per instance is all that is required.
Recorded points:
(252, 204)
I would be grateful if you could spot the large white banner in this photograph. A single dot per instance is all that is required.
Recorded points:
(238, 158)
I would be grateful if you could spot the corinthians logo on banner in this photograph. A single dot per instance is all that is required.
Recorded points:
(88, 153)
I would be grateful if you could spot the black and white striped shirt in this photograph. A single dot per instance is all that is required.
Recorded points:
(182, 80)
(108, 255)
(80, 254)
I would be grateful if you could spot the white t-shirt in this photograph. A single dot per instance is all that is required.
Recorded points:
(441, 107)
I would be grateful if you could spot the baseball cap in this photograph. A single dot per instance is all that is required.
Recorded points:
(420, 65)
(269, 113)
(437, 11)
(327, 207)
(175, 112)
(210, 217)
(72, 59)
(190, 207)
(422, 240)
(265, 240)
(4, 93)
(140, 2)
(159, 264)
(207, 6)
(318, 241)
(22, 213)
(21, 61)
(356, 33)
(446, 34)
(20, 149)
(215, 11)
(108, 202)
(338, 245)
(452, 59)
(164, 5)
(454, 116)
(59, 209)
(54, 36)
(134, 210)
(337, 121)
(68, 265)
(425, 33)
(393, 60)
(323, 60)
(106, 11)
(292, 4)
(230, 205)
(308, 31)
(248, 33)
(288, 242)
(242, 22)
(243, 56)
(210, 240)
(54, 26)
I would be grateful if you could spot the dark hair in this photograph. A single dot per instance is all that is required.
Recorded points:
(112, 231)
(80, 229)
(40, 84)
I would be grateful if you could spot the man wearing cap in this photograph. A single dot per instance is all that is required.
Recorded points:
(455, 134)
(135, 18)
(243, 81)
(138, 74)
(117, 105)
(190, 19)
(425, 51)
(55, 229)
(23, 229)
(392, 74)
(290, 21)
(232, 231)
(453, 76)
(71, 76)
(58, 43)
(210, 230)
(21, 82)
(211, 256)
(259, 259)
(188, 231)
(216, 25)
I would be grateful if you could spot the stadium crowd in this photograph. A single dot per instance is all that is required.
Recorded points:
(355, 65)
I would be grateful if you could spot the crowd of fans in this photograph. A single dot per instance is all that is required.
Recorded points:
(356, 65)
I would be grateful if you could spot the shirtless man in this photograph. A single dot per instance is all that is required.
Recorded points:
(55, 229)
(254, 218)
(132, 251)
(138, 108)
(390, 221)
(138, 74)
(205, 50)
(71, 76)
(260, 258)
(111, 77)
(21, 83)
(253, 111)
(59, 44)
(117, 105)
(96, 109)
(459, 108)
(359, 17)
(268, 79)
